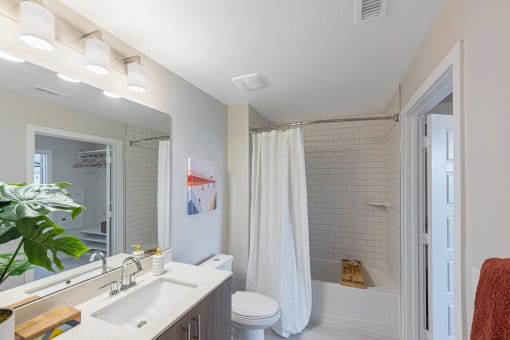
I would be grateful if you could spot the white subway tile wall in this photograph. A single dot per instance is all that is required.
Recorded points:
(349, 165)
(346, 167)
(141, 189)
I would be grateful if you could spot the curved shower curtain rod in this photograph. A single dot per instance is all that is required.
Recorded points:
(132, 142)
(395, 118)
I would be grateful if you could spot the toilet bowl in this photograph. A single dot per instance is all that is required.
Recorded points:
(252, 312)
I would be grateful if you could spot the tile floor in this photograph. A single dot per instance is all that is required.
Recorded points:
(319, 332)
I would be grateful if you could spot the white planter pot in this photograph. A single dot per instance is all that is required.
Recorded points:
(7, 325)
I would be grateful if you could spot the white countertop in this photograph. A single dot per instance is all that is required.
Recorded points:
(21, 292)
(205, 279)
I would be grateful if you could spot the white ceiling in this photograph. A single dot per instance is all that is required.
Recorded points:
(25, 78)
(318, 61)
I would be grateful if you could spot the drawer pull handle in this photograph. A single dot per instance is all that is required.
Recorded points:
(187, 329)
(198, 321)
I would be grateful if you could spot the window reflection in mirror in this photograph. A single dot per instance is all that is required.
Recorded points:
(42, 161)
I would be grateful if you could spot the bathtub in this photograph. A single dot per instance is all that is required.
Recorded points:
(373, 311)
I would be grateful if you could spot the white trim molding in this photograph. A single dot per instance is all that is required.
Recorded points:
(447, 77)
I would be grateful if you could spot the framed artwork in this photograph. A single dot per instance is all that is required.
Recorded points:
(202, 190)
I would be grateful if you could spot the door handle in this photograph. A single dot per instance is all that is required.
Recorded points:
(198, 321)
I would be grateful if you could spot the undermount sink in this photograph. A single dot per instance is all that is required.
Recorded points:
(64, 280)
(139, 306)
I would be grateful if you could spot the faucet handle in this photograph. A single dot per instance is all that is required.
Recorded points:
(132, 280)
(125, 282)
(114, 287)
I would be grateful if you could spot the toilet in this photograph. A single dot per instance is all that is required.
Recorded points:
(252, 312)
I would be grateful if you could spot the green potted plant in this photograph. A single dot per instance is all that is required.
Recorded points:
(24, 210)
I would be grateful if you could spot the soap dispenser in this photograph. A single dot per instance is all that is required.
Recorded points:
(138, 250)
(158, 263)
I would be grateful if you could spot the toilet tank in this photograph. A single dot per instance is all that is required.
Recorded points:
(219, 261)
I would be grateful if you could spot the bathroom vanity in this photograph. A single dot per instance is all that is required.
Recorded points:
(210, 319)
(186, 302)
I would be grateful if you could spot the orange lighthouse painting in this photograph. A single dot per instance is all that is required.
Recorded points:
(202, 194)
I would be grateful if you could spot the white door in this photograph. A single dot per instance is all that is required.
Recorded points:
(440, 214)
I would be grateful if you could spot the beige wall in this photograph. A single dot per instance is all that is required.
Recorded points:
(16, 111)
(485, 29)
(392, 197)
(199, 125)
(240, 119)
(238, 186)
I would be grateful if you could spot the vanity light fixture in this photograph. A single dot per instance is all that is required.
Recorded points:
(111, 95)
(67, 78)
(137, 81)
(37, 25)
(7, 56)
(97, 53)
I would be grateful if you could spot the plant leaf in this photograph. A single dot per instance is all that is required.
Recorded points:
(8, 231)
(42, 236)
(35, 200)
(18, 266)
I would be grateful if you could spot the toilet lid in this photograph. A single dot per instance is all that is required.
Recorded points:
(253, 305)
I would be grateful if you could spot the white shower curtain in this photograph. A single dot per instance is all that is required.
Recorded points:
(164, 194)
(279, 257)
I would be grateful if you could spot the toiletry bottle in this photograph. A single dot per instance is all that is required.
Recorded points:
(158, 263)
(138, 250)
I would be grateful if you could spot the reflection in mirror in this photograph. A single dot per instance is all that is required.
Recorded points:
(87, 166)
(116, 155)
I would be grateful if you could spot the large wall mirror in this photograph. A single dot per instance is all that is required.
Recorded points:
(114, 152)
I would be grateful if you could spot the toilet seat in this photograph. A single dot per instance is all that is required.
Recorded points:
(246, 323)
(251, 305)
(252, 310)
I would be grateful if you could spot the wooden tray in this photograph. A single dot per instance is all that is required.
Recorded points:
(352, 274)
(50, 324)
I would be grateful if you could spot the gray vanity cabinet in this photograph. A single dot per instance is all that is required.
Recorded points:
(209, 320)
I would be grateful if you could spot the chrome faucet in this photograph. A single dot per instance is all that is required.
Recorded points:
(127, 282)
(96, 253)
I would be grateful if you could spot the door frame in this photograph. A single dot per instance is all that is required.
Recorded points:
(117, 236)
(446, 78)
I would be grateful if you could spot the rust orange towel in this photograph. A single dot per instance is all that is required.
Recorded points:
(491, 319)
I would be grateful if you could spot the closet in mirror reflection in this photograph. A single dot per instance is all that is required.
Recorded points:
(87, 165)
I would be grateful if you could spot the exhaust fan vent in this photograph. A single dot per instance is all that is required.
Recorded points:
(251, 82)
(370, 10)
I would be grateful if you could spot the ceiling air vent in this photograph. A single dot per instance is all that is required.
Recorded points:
(251, 82)
(370, 10)
(50, 91)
